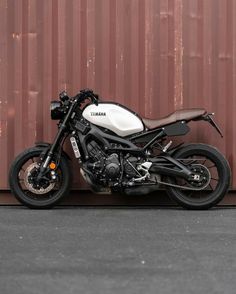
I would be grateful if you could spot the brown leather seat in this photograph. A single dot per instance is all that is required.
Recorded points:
(178, 115)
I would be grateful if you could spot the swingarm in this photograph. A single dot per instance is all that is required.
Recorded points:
(168, 166)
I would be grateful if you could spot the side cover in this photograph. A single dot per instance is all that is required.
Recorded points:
(113, 117)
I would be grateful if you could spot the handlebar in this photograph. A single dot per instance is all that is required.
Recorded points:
(63, 96)
(87, 93)
(81, 96)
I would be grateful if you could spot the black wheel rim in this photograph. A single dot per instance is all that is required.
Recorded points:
(213, 186)
(29, 194)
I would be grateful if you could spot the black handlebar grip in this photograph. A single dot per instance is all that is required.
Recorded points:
(86, 91)
(63, 96)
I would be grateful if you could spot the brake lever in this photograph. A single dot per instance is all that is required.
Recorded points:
(63, 96)
(95, 99)
(87, 94)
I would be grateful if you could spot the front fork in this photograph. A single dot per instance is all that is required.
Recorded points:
(57, 141)
(46, 161)
(54, 146)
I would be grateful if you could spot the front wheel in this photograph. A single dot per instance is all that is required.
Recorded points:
(212, 164)
(23, 172)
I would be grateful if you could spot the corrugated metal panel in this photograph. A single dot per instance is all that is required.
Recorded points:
(151, 55)
(209, 68)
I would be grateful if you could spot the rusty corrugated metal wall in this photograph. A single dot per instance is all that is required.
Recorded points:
(154, 56)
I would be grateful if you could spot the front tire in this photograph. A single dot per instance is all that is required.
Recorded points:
(220, 175)
(29, 196)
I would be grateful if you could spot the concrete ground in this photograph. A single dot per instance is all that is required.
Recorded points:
(117, 250)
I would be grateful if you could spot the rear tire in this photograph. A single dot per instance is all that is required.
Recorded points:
(28, 198)
(212, 195)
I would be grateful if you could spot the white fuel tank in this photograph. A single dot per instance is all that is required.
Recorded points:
(113, 117)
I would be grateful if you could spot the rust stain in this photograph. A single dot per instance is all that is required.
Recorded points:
(178, 54)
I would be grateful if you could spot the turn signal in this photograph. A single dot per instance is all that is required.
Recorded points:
(52, 165)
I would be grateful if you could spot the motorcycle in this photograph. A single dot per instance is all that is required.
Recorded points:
(118, 151)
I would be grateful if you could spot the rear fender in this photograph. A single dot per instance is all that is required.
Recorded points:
(209, 118)
(176, 148)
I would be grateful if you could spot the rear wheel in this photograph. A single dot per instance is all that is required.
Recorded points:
(214, 173)
(51, 189)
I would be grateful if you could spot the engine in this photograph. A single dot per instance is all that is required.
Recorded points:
(112, 167)
(106, 169)
(108, 172)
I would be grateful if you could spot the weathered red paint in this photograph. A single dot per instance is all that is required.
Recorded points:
(154, 56)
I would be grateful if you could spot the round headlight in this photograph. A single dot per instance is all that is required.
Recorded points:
(56, 110)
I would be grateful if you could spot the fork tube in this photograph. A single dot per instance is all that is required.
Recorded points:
(59, 136)
(56, 141)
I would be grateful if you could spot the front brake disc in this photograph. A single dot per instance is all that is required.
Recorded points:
(30, 187)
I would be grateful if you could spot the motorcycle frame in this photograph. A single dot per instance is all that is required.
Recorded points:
(165, 167)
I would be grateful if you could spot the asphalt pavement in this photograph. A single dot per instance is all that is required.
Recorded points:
(117, 250)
